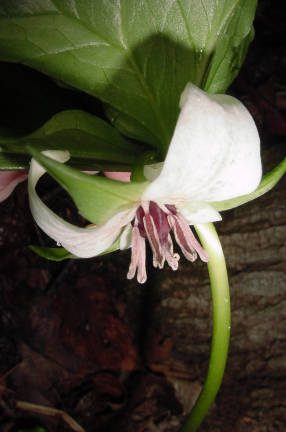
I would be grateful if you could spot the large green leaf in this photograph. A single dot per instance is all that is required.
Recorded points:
(97, 198)
(231, 48)
(85, 136)
(136, 55)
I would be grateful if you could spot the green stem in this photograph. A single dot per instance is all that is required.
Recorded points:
(221, 326)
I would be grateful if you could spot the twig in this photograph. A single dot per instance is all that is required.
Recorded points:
(40, 409)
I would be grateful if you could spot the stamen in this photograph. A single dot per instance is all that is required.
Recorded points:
(152, 235)
(186, 239)
(139, 219)
(161, 222)
(180, 236)
(171, 258)
(138, 257)
(154, 222)
(157, 229)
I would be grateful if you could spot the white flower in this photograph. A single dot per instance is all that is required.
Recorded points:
(214, 155)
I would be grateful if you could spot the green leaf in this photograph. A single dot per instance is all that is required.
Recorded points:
(85, 136)
(10, 161)
(231, 48)
(97, 198)
(268, 182)
(135, 56)
(127, 125)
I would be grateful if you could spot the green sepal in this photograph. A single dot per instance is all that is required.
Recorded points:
(97, 198)
(268, 181)
(53, 254)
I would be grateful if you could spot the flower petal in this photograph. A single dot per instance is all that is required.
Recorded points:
(125, 237)
(82, 242)
(120, 176)
(214, 153)
(9, 180)
(198, 212)
(151, 172)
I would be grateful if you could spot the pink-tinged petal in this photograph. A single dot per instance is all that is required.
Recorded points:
(120, 176)
(9, 180)
(114, 175)
(214, 153)
(82, 242)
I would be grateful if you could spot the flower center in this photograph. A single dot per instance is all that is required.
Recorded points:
(154, 222)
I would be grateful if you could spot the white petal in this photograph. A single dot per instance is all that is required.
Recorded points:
(151, 172)
(214, 153)
(126, 237)
(198, 212)
(82, 242)
(59, 155)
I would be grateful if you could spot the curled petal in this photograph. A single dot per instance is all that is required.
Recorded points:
(82, 242)
(214, 154)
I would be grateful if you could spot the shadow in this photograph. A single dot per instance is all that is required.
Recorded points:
(142, 98)
(30, 98)
(139, 92)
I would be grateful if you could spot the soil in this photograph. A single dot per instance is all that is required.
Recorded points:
(82, 348)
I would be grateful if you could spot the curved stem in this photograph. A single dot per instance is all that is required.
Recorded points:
(221, 326)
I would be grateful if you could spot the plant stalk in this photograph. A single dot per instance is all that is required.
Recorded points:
(221, 326)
